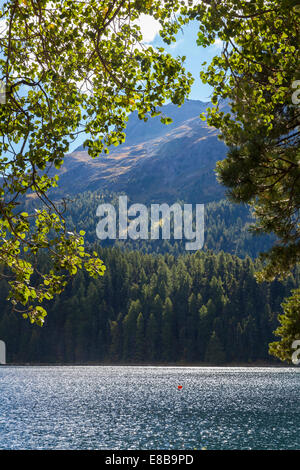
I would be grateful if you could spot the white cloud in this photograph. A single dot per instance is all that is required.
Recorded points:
(218, 43)
(150, 27)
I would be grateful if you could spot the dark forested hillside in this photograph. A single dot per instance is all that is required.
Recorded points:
(226, 227)
(201, 307)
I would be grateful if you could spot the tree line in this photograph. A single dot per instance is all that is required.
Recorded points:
(226, 226)
(195, 308)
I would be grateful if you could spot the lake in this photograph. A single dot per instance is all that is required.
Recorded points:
(141, 408)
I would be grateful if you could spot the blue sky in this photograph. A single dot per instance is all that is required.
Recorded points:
(184, 46)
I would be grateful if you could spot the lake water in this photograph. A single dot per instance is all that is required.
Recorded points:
(142, 408)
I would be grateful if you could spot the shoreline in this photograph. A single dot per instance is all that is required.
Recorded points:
(161, 365)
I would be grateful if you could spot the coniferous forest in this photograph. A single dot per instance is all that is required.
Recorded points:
(149, 308)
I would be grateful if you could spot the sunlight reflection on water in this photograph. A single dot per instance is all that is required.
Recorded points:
(142, 408)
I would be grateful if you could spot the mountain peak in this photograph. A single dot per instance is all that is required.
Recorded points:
(138, 130)
(157, 162)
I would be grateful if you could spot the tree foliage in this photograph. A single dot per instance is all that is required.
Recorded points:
(257, 74)
(69, 67)
(289, 330)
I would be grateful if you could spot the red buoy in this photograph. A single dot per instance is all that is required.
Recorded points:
(179, 387)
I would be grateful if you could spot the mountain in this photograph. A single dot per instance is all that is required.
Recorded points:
(157, 163)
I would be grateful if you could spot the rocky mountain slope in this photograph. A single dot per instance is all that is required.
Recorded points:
(161, 163)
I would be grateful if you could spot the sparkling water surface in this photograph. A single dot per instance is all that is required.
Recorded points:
(141, 408)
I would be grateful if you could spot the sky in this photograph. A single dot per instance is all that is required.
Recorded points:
(184, 46)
